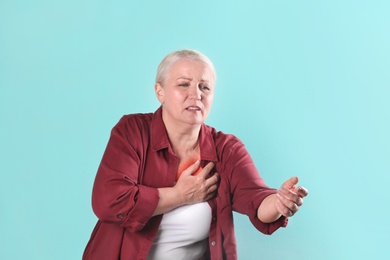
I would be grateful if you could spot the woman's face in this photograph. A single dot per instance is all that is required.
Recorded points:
(187, 92)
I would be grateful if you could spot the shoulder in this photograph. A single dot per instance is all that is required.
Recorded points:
(231, 153)
(224, 141)
(134, 125)
(134, 120)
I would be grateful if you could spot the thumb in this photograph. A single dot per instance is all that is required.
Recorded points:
(290, 183)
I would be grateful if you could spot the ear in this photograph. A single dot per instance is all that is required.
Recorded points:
(159, 92)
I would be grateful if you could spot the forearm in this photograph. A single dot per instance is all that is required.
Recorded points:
(168, 199)
(189, 189)
(267, 211)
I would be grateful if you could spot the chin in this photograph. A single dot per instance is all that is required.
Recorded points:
(195, 122)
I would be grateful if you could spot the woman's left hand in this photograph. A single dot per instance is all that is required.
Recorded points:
(289, 197)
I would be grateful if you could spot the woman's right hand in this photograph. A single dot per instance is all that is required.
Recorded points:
(197, 188)
(189, 189)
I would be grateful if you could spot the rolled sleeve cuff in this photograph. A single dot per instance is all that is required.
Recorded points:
(266, 228)
(269, 228)
(147, 201)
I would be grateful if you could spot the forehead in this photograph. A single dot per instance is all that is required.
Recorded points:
(191, 68)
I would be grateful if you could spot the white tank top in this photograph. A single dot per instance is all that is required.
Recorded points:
(183, 233)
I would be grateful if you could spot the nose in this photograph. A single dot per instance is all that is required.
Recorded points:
(195, 93)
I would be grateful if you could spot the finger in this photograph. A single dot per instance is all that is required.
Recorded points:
(206, 170)
(211, 195)
(282, 209)
(290, 205)
(192, 168)
(213, 180)
(212, 187)
(291, 195)
(302, 191)
(290, 183)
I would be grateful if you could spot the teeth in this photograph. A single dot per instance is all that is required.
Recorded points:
(193, 108)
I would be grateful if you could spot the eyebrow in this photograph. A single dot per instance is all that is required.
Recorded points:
(184, 78)
(190, 79)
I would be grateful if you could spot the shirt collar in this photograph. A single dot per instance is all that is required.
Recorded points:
(158, 131)
(159, 138)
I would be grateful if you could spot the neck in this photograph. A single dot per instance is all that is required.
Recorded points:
(183, 138)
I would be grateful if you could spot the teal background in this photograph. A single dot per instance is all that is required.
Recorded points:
(305, 84)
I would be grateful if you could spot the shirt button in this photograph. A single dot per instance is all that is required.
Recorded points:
(120, 216)
(213, 243)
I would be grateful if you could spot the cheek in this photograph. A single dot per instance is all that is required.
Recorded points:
(208, 101)
(173, 97)
(178, 98)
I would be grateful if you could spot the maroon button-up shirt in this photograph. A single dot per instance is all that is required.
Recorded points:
(138, 160)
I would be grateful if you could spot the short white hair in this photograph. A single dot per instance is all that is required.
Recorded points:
(173, 57)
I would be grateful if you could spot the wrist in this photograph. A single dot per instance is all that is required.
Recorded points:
(267, 211)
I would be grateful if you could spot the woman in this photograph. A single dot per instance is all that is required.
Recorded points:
(167, 183)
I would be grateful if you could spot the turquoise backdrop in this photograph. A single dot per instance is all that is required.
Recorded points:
(305, 85)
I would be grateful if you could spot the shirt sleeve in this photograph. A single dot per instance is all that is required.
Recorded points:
(117, 197)
(248, 188)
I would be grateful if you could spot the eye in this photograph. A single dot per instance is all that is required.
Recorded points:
(184, 84)
(204, 87)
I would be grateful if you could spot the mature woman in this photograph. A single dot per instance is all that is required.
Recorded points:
(167, 183)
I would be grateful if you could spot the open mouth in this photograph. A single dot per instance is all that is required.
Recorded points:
(193, 108)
